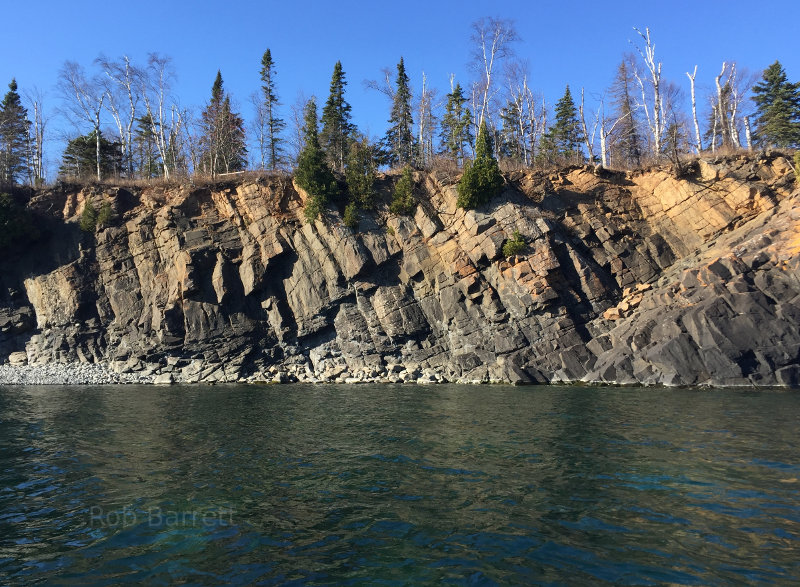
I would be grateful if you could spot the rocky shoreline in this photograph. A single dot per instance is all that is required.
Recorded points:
(628, 278)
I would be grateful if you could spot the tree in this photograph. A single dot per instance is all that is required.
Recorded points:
(85, 99)
(16, 225)
(566, 131)
(403, 202)
(481, 180)
(359, 172)
(273, 125)
(399, 136)
(653, 109)
(493, 39)
(121, 85)
(627, 142)
(14, 131)
(312, 173)
(223, 141)
(35, 139)
(777, 101)
(144, 154)
(456, 134)
(167, 121)
(79, 159)
(337, 129)
(698, 144)
(427, 123)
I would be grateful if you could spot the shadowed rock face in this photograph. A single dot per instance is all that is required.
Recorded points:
(626, 278)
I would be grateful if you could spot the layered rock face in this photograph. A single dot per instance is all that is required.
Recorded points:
(626, 278)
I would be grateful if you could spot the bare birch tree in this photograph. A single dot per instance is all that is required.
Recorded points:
(493, 39)
(698, 144)
(35, 142)
(84, 98)
(122, 85)
(587, 138)
(426, 123)
(653, 107)
(163, 113)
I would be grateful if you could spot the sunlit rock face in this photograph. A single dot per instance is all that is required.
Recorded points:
(625, 278)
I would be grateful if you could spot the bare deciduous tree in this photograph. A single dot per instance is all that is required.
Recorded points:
(493, 39)
(84, 98)
(35, 143)
(698, 144)
(164, 115)
(122, 84)
(653, 108)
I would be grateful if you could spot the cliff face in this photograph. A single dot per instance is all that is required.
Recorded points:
(626, 278)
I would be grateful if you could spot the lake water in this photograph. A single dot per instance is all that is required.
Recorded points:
(398, 484)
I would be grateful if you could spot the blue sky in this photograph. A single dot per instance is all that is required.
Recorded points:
(569, 42)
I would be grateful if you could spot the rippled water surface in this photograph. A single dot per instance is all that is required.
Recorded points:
(398, 484)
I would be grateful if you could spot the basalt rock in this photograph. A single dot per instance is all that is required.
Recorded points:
(625, 278)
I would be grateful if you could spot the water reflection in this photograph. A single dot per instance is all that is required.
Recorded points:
(400, 484)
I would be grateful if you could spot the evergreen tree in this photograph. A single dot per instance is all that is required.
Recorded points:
(312, 172)
(337, 129)
(777, 101)
(400, 138)
(566, 131)
(274, 124)
(627, 143)
(482, 179)
(403, 202)
(511, 139)
(80, 157)
(456, 125)
(17, 228)
(223, 141)
(359, 173)
(145, 152)
(14, 127)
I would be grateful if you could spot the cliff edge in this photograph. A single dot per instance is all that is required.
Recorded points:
(625, 278)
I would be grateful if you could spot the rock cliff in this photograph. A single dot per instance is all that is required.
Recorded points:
(626, 278)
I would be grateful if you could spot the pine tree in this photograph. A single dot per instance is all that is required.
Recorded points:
(399, 137)
(511, 139)
(337, 129)
(482, 179)
(566, 131)
(145, 151)
(312, 172)
(777, 101)
(223, 141)
(14, 127)
(274, 124)
(627, 143)
(456, 125)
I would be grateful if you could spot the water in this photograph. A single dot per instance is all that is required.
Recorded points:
(398, 484)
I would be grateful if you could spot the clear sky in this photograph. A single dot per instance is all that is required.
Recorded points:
(568, 42)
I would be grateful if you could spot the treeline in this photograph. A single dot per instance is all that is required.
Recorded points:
(133, 126)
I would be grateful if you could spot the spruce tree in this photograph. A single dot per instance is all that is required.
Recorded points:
(14, 127)
(627, 145)
(312, 173)
(223, 141)
(399, 137)
(337, 129)
(456, 132)
(274, 124)
(482, 179)
(777, 101)
(511, 139)
(359, 173)
(566, 131)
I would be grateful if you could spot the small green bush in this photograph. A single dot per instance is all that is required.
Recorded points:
(351, 216)
(514, 246)
(89, 218)
(797, 165)
(403, 201)
(314, 207)
(105, 216)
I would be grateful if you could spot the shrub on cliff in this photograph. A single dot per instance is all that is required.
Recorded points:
(351, 216)
(403, 201)
(514, 246)
(88, 218)
(482, 179)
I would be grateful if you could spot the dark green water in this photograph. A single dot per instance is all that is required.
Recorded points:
(398, 485)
